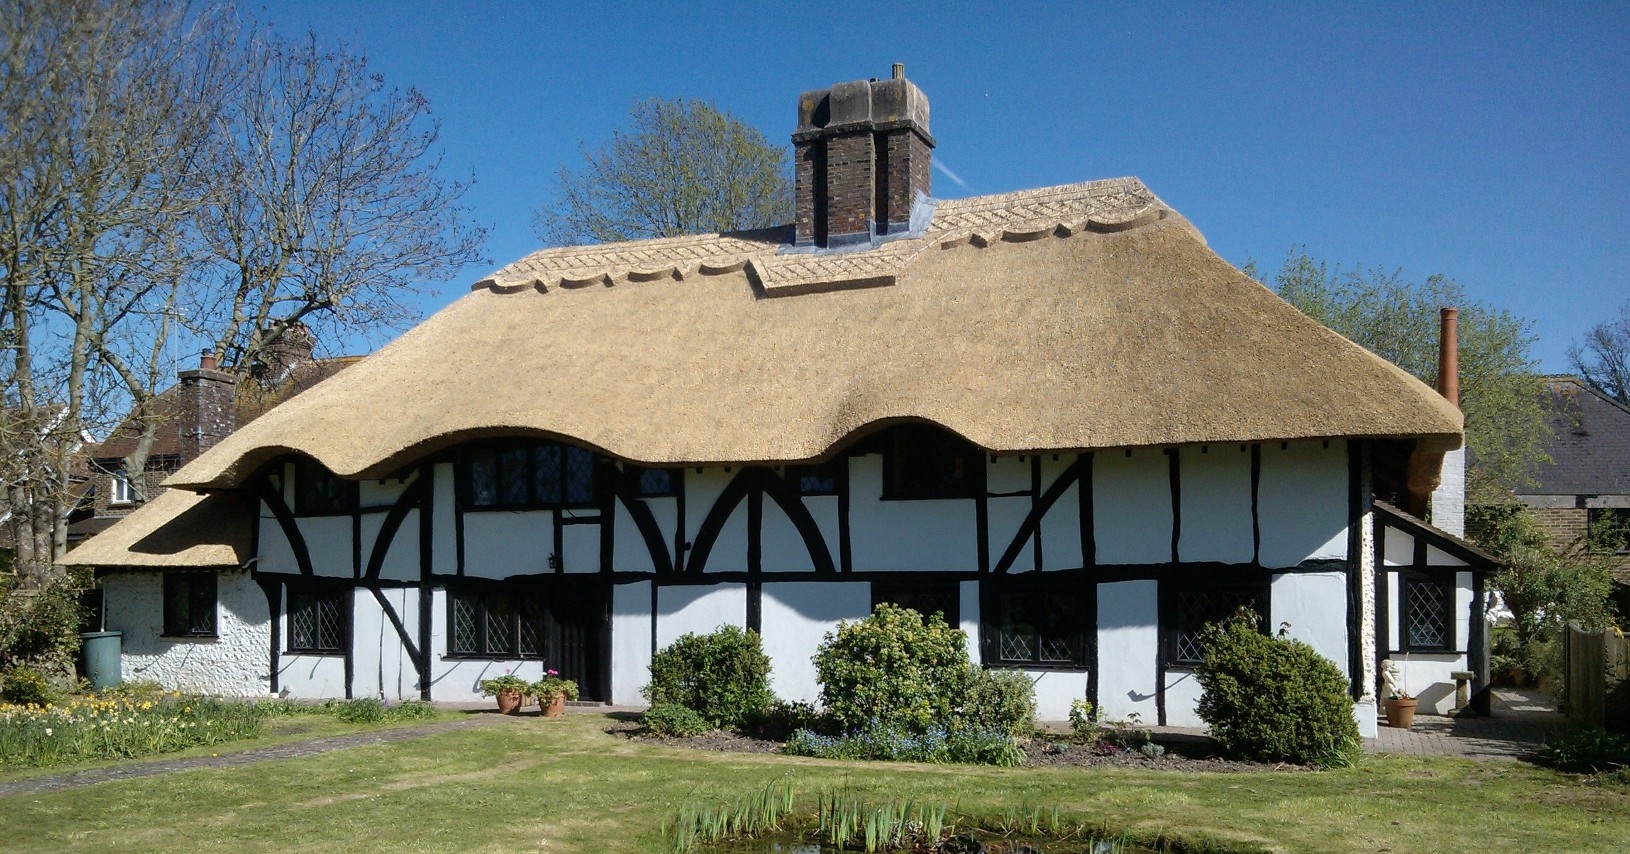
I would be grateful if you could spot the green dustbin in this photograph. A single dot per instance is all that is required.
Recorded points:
(102, 658)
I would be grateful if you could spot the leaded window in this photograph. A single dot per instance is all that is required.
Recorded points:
(926, 598)
(528, 475)
(317, 621)
(925, 462)
(317, 492)
(654, 482)
(1428, 611)
(1193, 605)
(496, 625)
(189, 604)
(818, 479)
(1038, 622)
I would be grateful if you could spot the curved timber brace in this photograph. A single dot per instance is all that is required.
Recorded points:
(1032, 520)
(752, 484)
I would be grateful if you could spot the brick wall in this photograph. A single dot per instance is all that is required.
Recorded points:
(850, 183)
(1564, 526)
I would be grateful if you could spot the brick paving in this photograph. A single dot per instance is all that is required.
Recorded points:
(1522, 721)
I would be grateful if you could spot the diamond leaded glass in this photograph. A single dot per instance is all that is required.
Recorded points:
(1197, 608)
(1427, 618)
(500, 626)
(466, 637)
(579, 476)
(302, 623)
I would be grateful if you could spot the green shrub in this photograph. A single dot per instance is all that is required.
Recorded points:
(40, 628)
(672, 719)
(893, 667)
(1588, 751)
(724, 677)
(1000, 700)
(783, 718)
(1274, 699)
(24, 686)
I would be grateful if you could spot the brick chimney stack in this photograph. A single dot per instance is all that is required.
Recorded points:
(861, 156)
(208, 411)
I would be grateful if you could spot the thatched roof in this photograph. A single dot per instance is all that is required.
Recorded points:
(178, 529)
(1070, 318)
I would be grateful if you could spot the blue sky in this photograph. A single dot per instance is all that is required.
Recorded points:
(1486, 142)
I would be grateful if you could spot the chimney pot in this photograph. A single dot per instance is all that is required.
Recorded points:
(1449, 355)
(899, 71)
(206, 360)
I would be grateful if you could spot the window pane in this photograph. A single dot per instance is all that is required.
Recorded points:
(500, 626)
(530, 617)
(546, 474)
(655, 483)
(331, 622)
(1055, 619)
(819, 479)
(302, 622)
(1019, 632)
(1198, 608)
(466, 616)
(483, 478)
(512, 476)
(579, 476)
(1426, 602)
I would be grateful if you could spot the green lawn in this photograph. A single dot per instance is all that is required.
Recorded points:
(563, 785)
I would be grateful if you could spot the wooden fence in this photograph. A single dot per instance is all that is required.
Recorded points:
(1597, 668)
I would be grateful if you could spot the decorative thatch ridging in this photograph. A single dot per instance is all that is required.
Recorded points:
(1072, 318)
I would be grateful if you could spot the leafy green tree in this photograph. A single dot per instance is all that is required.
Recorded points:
(1544, 590)
(1500, 386)
(1604, 358)
(679, 167)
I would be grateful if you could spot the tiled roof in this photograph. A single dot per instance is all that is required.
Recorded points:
(1590, 454)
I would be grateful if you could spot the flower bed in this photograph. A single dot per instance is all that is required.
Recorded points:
(91, 727)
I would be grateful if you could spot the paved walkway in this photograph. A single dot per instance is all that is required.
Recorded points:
(1521, 722)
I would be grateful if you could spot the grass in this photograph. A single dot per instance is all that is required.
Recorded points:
(564, 785)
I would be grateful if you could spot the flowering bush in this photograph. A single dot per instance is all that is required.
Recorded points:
(119, 728)
(551, 685)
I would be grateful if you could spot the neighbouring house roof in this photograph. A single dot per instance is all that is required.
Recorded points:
(1590, 452)
(251, 400)
(175, 530)
(1078, 317)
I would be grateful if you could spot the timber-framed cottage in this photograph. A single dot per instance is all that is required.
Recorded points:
(1054, 415)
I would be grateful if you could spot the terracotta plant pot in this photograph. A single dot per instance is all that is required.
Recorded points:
(555, 707)
(1401, 712)
(509, 703)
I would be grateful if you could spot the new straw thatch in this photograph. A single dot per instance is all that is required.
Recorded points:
(1072, 318)
(176, 530)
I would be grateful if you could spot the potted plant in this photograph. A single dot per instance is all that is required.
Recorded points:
(1399, 703)
(1400, 710)
(509, 689)
(552, 692)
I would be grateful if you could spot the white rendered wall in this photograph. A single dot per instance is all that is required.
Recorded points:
(580, 548)
(381, 665)
(1182, 698)
(382, 493)
(311, 677)
(1438, 557)
(1449, 499)
(501, 543)
(1397, 547)
(276, 555)
(628, 550)
(1365, 715)
(782, 547)
(1215, 505)
(1056, 690)
(1302, 502)
(699, 609)
(795, 617)
(630, 642)
(1007, 476)
(1128, 649)
(1315, 606)
(942, 535)
(459, 680)
(402, 557)
(443, 524)
(1132, 508)
(1061, 527)
(234, 663)
(328, 542)
(968, 598)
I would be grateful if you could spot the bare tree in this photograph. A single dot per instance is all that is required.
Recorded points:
(680, 167)
(325, 206)
(107, 101)
(1604, 359)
